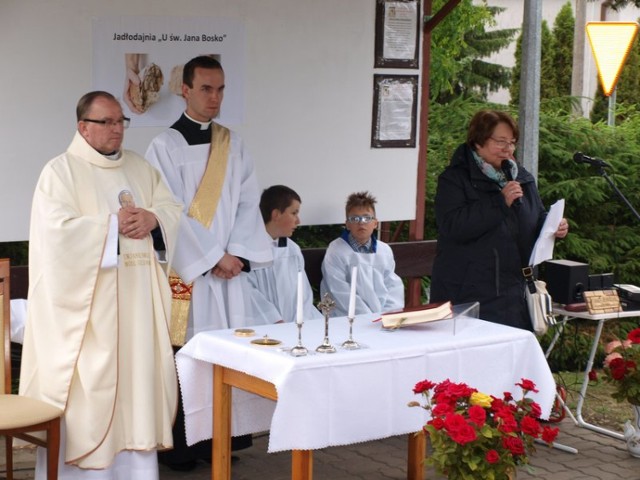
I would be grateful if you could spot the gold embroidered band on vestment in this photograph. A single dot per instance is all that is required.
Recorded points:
(203, 208)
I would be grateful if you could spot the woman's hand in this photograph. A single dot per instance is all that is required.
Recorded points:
(511, 192)
(563, 229)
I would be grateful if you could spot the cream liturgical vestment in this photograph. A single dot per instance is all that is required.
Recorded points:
(96, 340)
(237, 227)
(378, 287)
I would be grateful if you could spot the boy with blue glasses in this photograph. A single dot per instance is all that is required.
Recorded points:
(378, 288)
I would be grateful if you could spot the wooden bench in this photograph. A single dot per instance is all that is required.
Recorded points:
(413, 260)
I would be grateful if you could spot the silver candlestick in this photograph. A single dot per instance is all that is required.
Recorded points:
(326, 305)
(299, 350)
(350, 344)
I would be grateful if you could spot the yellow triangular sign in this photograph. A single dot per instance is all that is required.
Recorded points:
(611, 43)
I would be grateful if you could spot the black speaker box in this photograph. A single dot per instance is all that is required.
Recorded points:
(566, 280)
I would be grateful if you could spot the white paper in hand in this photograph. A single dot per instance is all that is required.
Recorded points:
(543, 249)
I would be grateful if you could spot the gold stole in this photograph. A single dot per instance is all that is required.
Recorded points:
(203, 208)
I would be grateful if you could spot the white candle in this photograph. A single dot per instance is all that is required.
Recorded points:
(299, 299)
(352, 296)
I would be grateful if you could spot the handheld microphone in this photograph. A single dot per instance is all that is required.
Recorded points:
(505, 166)
(580, 157)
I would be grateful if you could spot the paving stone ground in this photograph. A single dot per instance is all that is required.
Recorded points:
(599, 457)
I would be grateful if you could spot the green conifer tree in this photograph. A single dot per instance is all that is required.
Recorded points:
(458, 48)
(478, 77)
(562, 52)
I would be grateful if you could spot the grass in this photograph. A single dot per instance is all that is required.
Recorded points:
(599, 408)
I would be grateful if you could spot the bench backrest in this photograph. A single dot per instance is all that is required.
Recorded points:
(413, 260)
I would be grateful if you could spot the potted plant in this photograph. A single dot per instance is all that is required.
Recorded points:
(621, 370)
(478, 436)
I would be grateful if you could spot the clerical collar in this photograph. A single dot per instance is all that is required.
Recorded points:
(192, 131)
(203, 125)
(112, 156)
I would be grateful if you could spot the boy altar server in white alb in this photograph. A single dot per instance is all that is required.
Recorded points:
(378, 287)
(97, 334)
(274, 288)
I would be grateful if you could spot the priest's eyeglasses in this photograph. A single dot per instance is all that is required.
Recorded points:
(361, 219)
(121, 122)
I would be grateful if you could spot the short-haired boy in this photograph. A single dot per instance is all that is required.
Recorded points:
(274, 289)
(378, 288)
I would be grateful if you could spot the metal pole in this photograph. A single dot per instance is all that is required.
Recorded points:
(529, 108)
(611, 117)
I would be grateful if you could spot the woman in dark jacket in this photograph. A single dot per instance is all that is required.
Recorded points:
(487, 225)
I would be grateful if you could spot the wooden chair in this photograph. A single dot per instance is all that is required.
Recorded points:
(20, 415)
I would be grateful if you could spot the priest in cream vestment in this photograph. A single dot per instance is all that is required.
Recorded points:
(97, 340)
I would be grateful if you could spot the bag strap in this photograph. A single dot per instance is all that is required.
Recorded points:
(527, 273)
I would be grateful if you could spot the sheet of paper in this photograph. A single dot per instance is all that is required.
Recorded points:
(543, 249)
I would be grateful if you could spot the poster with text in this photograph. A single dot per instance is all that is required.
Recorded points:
(139, 60)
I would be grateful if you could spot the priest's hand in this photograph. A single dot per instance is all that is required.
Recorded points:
(136, 223)
(228, 267)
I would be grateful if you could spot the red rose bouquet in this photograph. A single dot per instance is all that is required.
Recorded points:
(478, 436)
(621, 367)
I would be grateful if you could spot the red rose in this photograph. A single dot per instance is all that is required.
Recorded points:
(423, 386)
(536, 411)
(593, 376)
(477, 415)
(549, 434)
(437, 423)
(530, 426)
(458, 429)
(618, 368)
(460, 390)
(634, 335)
(442, 409)
(506, 422)
(513, 444)
(465, 434)
(508, 397)
(492, 456)
(616, 362)
(527, 385)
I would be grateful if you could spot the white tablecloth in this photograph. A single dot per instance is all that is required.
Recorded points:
(354, 396)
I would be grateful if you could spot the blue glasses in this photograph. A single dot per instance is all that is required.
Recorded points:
(361, 219)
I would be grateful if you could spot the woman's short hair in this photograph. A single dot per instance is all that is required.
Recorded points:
(483, 124)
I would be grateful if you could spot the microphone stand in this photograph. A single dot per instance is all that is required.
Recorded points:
(602, 172)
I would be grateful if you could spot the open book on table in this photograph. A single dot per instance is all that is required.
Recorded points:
(423, 314)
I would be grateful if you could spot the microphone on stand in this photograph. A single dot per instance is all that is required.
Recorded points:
(580, 157)
(505, 166)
